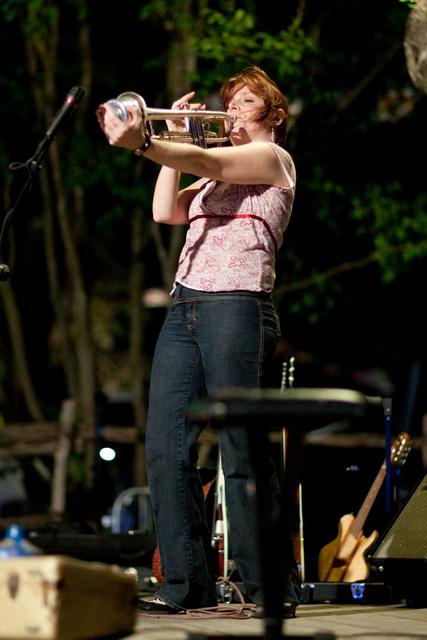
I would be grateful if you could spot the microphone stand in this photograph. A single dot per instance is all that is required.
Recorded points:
(34, 164)
(31, 166)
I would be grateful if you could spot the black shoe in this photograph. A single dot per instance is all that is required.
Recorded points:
(159, 606)
(288, 611)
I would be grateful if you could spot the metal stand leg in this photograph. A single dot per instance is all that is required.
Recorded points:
(220, 537)
(273, 530)
(387, 406)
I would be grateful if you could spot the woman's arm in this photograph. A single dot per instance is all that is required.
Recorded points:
(170, 205)
(252, 163)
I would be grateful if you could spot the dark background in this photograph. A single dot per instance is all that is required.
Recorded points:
(350, 301)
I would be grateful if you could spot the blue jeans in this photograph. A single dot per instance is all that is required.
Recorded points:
(208, 341)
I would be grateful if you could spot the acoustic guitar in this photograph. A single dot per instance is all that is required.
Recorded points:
(342, 560)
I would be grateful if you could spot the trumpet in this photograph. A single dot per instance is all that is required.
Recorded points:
(201, 127)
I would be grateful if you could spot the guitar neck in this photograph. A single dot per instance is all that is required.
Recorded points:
(360, 519)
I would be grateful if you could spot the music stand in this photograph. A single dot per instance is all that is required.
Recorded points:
(261, 411)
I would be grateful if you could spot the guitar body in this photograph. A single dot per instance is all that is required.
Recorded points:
(357, 568)
(331, 564)
(342, 560)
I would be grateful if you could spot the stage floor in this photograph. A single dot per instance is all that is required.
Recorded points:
(379, 622)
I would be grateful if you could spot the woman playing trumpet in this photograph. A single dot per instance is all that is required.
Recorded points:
(222, 328)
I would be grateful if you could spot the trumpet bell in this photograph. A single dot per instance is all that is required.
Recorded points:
(193, 126)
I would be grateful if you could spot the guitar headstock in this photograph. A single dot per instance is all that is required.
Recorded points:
(288, 374)
(400, 448)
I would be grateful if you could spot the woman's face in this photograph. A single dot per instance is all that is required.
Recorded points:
(246, 106)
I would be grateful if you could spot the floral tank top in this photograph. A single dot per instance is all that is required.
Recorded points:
(235, 233)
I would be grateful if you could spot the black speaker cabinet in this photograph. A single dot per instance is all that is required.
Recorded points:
(399, 557)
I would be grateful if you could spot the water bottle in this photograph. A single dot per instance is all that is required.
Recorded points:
(14, 544)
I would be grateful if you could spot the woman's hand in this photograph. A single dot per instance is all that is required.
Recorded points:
(121, 133)
(129, 133)
(183, 104)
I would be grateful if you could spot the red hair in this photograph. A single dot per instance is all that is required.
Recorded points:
(263, 86)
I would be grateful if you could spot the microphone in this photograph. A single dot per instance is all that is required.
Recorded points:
(72, 99)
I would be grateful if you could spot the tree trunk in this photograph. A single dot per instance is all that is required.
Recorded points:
(14, 324)
(139, 367)
(76, 335)
(19, 352)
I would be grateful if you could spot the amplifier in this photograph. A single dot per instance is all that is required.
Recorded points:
(399, 556)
